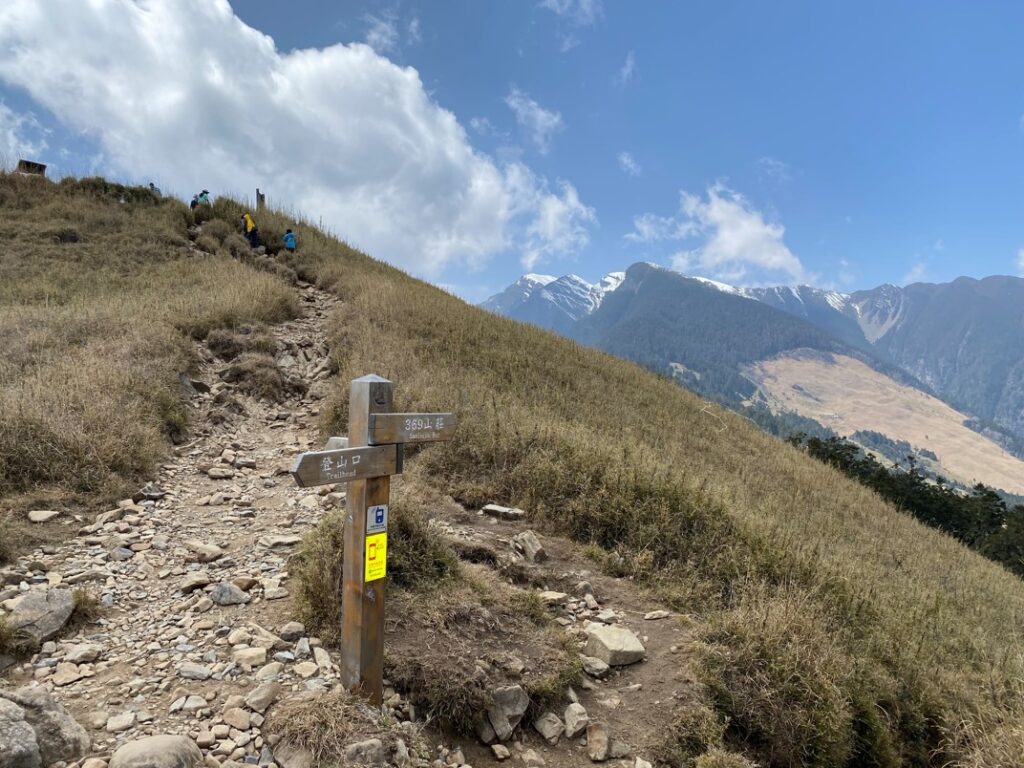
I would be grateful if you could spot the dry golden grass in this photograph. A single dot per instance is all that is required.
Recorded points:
(812, 592)
(325, 724)
(847, 395)
(837, 631)
(98, 301)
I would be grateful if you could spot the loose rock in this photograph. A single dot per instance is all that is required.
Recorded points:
(576, 720)
(43, 515)
(594, 667)
(615, 646)
(85, 653)
(504, 513)
(369, 752)
(158, 752)
(262, 697)
(655, 615)
(250, 657)
(192, 671)
(528, 545)
(228, 594)
(549, 726)
(598, 742)
(193, 581)
(203, 552)
(42, 612)
(237, 718)
(121, 722)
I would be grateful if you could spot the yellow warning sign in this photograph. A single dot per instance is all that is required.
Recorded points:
(375, 563)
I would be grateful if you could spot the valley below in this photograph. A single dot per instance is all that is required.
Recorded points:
(848, 396)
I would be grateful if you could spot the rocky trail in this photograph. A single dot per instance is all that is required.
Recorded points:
(196, 641)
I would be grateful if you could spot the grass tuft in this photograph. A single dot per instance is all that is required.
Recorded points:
(16, 643)
(326, 723)
(229, 343)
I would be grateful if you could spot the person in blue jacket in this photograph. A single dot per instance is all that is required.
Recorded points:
(289, 241)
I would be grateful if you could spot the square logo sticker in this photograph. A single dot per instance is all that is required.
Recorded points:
(375, 561)
(377, 519)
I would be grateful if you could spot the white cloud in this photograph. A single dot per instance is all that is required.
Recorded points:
(21, 137)
(382, 34)
(183, 91)
(413, 30)
(559, 225)
(737, 242)
(1020, 262)
(771, 169)
(540, 124)
(846, 274)
(582, 12)
(568, 43)
(939, 245)
(629, 165)
(481, 125)
(627, 70)
(916, 274)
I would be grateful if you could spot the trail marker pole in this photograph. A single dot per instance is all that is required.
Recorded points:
(366, 461)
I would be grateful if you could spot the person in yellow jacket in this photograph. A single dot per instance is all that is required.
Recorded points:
(249, 229)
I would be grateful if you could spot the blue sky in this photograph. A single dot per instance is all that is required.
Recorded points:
(841, 144)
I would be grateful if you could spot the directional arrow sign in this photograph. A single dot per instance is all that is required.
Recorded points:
(324, 467)
(388, 428)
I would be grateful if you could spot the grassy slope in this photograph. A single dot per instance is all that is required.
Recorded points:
(838, 631)
(98, 300)
(846, 395)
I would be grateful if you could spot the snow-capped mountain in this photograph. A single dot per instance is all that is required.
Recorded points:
(962, 339)
(554, 303)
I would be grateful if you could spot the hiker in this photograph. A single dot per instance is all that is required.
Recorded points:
(194, 204)
(249, 229)
(154, 189)
(204, 196)
(289, 241)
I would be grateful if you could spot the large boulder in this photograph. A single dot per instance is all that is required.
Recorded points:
(42, 613)
(18, 745)
(57, 735)
(158, 752)
(615, 646)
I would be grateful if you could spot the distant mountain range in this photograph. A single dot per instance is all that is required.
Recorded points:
(556, 303)
(961, 341)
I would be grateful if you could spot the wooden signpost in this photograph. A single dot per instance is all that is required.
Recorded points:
(373, 453)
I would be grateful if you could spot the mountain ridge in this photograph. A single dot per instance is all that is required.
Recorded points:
(946, 337)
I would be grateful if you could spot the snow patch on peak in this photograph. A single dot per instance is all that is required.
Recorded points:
(540, 279)
(723, 287)
(611, 281)
(838, 301)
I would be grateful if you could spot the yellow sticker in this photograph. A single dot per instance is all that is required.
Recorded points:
(375, 563)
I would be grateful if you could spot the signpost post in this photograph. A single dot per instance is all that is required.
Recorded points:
(373, 453)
